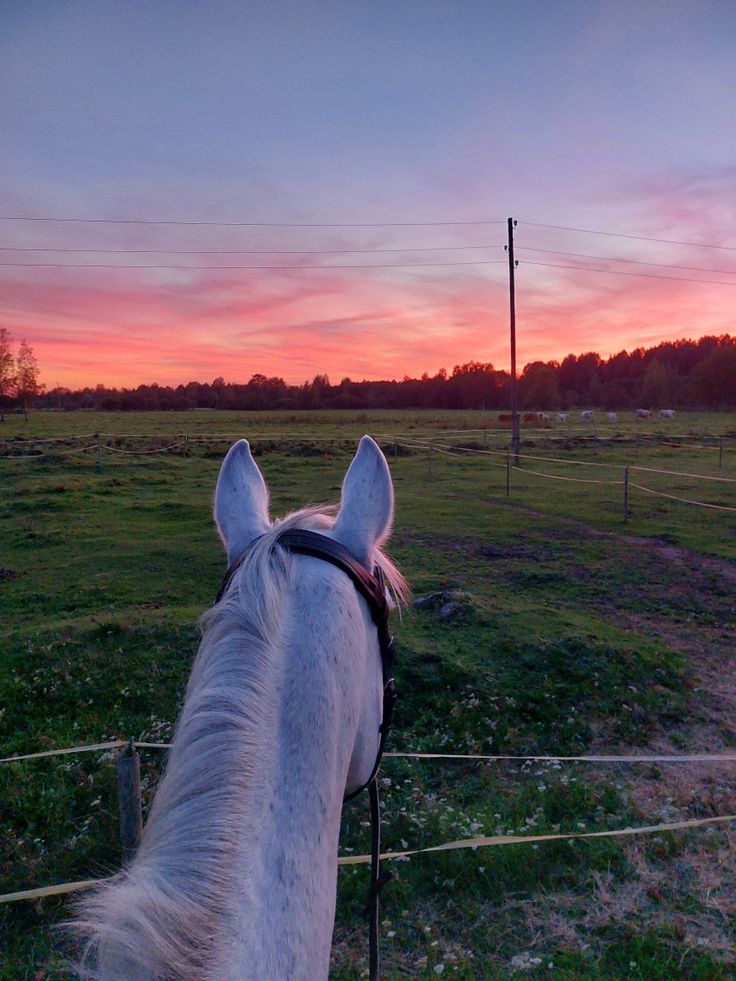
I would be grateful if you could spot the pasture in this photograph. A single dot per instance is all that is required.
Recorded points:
(572, 632)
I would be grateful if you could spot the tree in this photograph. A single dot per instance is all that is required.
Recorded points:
(655, 387)
(7, 369)
(713, 378)
(578, 378)
(538, 384)
(473, 386)
(26, 376)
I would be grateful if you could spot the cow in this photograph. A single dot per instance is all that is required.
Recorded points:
(562, 417)
(612, 416)
(667, 413)
(642, 413)
(586, 415)
(543, 419)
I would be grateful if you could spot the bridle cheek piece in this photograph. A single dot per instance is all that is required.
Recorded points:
(372, 587)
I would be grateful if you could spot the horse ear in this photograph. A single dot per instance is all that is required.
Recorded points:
(241, 500)
(367, 503)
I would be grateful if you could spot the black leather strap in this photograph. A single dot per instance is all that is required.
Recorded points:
(322, 547)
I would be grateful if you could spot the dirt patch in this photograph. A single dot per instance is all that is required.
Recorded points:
(682, 556)
(657, 894)
(532, 550)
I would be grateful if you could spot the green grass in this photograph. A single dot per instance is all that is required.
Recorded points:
(573, 631)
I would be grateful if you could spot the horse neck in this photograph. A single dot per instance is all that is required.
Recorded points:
(236, 874)
(281, 907)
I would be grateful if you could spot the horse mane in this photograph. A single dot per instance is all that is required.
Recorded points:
(157, 919)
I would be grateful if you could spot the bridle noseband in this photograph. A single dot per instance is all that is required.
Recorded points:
(372, 587)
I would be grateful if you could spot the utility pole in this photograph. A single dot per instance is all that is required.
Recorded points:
(515, 438)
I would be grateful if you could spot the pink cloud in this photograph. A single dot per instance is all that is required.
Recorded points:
(129, 326)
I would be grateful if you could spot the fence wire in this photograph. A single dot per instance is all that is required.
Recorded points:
(490, 841)
(601, 758)
(682, 500)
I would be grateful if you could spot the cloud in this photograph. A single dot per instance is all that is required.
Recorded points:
(125, 326)
(341, 325)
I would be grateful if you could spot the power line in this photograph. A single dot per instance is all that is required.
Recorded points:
(341, 224)
(252, 224)
(433, 248)
(639, 262)
(617, 272)
(639, 238)
(366, 265)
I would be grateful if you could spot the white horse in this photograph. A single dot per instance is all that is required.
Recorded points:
(236, 874)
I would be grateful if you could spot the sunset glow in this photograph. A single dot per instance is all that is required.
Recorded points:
(400, 119)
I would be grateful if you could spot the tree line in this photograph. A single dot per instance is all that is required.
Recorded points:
(18, 374)
(679, 374)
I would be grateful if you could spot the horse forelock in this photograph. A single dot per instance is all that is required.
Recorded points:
(158, 919)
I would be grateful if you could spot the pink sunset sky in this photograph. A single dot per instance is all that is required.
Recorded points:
(611, 118)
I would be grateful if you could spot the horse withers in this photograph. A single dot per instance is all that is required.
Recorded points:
(235, 876)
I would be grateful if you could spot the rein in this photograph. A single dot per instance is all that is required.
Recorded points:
(372, 587)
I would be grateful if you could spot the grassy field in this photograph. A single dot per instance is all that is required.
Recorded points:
(573, 632)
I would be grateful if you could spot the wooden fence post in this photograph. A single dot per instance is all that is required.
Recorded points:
(720, 453)
(431, 450)
(99, 453)
(626, 494)
(129, 800)
(508, 473)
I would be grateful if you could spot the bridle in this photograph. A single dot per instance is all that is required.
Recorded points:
(372, 587)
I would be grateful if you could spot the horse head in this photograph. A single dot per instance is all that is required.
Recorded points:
(362, 526)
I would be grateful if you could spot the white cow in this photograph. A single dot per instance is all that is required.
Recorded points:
(642, 413)
(586, 415)
(613, 416)
(562, 417)
(667, 413)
